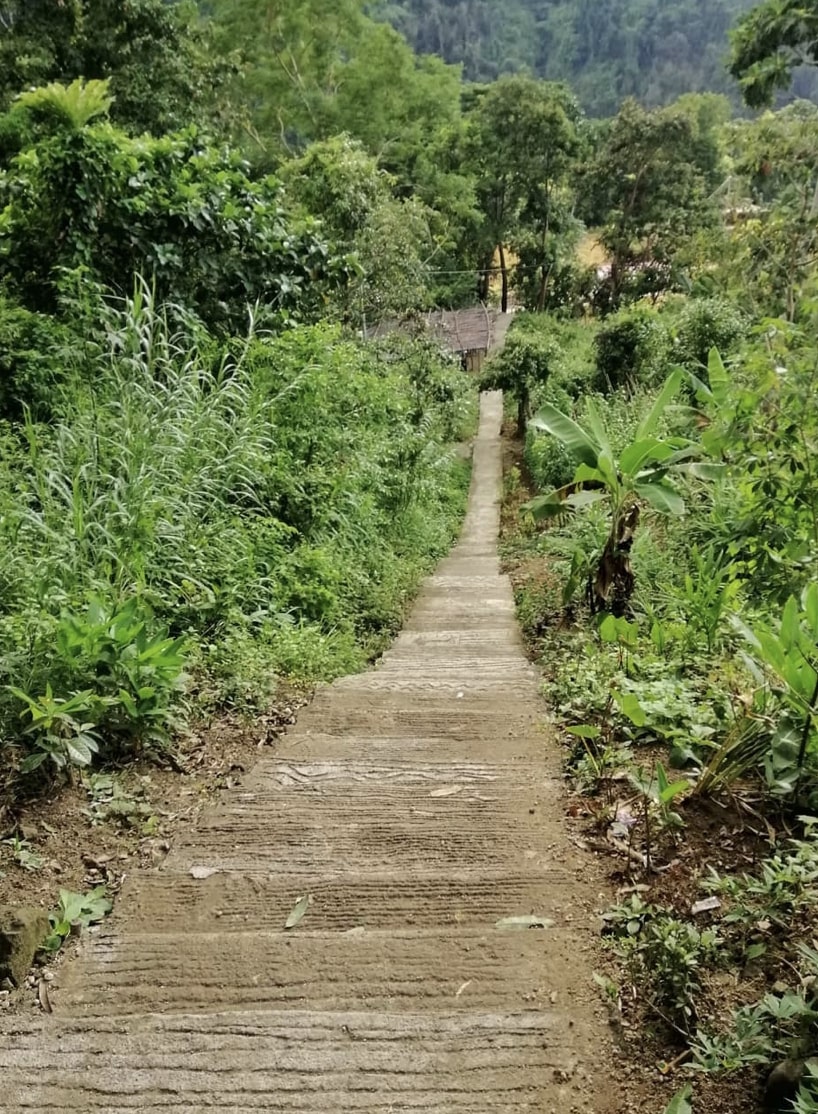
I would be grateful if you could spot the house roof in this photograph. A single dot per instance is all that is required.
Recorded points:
(460, 330)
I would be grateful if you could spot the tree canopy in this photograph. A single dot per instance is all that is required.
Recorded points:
(606, 49)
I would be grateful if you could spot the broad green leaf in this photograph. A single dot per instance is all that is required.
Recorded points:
(741, 628)
(33, 761)
(642, 452)
(703, 392)
(809, 602)
(790, 626)
(597, 427)
(78, 750)
(682, 453)
(680, 1103)
(578, 443)
(661, 497)
(606, 466)
(631, 708)
(703, 470)
(668, 392)
(668, 790)
(584, 731)
(71, 905)
(627, 633)
(772, 651)
(546, 506)
(585, 474)
(608, 630)
(717, 374)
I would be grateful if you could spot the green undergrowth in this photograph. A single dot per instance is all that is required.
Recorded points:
(202, 517)
(660, 534)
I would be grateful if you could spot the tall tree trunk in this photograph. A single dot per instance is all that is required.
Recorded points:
(504, 273)
(543, 292)
(485, 276)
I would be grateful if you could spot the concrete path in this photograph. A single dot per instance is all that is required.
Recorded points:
(417, 805)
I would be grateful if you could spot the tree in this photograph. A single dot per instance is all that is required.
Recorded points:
(312, 71)
(525, 363)
(337, 182)
(522, 136)
(152, 52)
(648, 184)
(773, 251)
(187, 215)
(769, 43)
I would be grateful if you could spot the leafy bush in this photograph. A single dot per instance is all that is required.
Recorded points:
(631, 349)
(665, 952)
(188, 214)
(706, 323)
(33, 355)
(549, 462)
(525, 363)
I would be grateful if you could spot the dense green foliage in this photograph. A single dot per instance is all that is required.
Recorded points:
(607, 51)
(769, 45)
(672, 457)
(86, 195)
(152, 52)
(270, 503)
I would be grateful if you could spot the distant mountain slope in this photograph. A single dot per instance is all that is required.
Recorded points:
(607, 49)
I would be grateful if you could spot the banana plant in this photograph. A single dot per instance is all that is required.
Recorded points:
(784, 655)
(640, 473)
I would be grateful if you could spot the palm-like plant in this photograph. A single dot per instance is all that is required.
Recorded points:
(640, 473)
(72, 106)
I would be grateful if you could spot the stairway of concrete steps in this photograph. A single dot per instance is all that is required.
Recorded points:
(416, 805)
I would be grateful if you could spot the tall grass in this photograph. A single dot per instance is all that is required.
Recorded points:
(272, 500)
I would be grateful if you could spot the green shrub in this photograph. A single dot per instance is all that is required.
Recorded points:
(213, 239)
(706, 323)
(32, 359)
(549, 463)
(632, 348)
(525, 364)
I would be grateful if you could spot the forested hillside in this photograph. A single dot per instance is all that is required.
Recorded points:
(606, 49)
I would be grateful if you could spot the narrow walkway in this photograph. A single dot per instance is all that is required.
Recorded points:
(418, 806)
